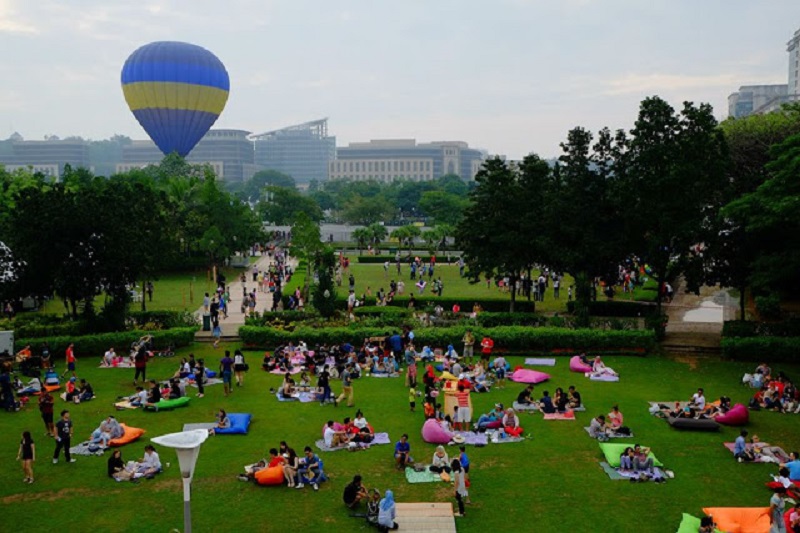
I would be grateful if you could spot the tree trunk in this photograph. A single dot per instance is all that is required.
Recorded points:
(144, 306)
(512, 282)
(583, 296)
(742, 290)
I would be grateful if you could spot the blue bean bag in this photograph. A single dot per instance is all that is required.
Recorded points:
(240, 424)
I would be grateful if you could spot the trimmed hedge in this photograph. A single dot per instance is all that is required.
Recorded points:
(749, 328)
(616, 308)
(284, 317)
(96, 345)
(163, 319)
(780, 349)
(382, 311)
(514, 338)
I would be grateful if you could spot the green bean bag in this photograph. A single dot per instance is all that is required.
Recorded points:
(166, 405)
(613, 450)
(690, 524)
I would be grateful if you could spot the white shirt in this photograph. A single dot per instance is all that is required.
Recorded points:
(360, 423)
(699, 400)
(151, 460)
(109, 356)
(328, 436)
(142, 396)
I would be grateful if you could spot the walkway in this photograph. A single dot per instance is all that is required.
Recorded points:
(230, 325)
(695, 321)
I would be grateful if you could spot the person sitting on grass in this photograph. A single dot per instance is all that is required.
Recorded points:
(641, 460)
(574, 398)
(511, 423)
(251, 470)
(116, 467)
(600, 369)
(440, 461)
(598, 428)
(793, 466)
(309, 469)
(402, 453)
(333, 438)
(525, 396)
(546, 403)
(614, 419)
(386, 513)
(354, 492)
(150, 464)
(291, 463)
(223, 422)
(560, 401)
(287, 387)
(626, 460)
(740, 450)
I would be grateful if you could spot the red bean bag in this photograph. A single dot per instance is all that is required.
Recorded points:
(525, 375)
(129, 435)
(434, 433)
(495, 424)
(738, 415)
(270, 476)
(576, 365)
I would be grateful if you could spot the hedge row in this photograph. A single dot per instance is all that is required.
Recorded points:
(780, 349)
(448, 302)
(748, 328)
(96, 345)
(392, 259)
(506, 337)
(617, 308)
(284, 317)
(163, 319)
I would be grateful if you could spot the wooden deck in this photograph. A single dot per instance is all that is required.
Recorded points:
(427, 517)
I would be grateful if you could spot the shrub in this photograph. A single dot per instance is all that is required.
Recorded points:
(748, 328)
(96, 345)
(403, 258)
(283, 317)
(448, 302)
(505, 337)
(616, 308)
(779, 349)
(162, 319)
(382, 311)
(769, 307)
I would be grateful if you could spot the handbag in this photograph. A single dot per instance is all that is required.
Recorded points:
(246, 367)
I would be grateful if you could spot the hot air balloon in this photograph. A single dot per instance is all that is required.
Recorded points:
(176, 91)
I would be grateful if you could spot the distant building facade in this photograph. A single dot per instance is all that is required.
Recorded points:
(793, 48)
(302, 151)
(392, 159)
(750, 98)
(48, 157)
(229, 153)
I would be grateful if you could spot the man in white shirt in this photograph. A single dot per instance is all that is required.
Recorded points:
(108, 358)
(150, 463)
(333, 438)
(699, 400)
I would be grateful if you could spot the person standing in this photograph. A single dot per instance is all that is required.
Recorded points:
(149, 288)
(140, 363)
(777, 504)
(469, 343)
(200, 377)
(64, 431)
(70, 355)
(464, 413)
(27, 454)
(459, 484)
(46, 409)
(323, 382)
(347, 385)
(226, 370)
(487, 345)
(239, 367)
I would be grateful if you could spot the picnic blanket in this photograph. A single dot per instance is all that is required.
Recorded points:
(426, 476)
(302, 397)
(521, 407)
(84, 448)
(569, 415)
(760, 459)
(279, 372)
(380, 438)
(601, 377)
(471, 438)
(616, 475)
(124, 404)
(612, 436)
(122, 364)
(540, 361)
(384, 375)
(501, 437)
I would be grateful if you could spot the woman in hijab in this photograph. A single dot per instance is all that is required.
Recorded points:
(386, 513)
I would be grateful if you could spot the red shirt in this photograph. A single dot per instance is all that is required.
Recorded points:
(70, 355)
(487, 344)
(276, 461)
(463, 398)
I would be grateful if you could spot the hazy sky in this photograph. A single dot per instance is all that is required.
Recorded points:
(510, 76)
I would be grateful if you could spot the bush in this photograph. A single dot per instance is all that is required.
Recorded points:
(162, 319)
(778, 349)
(382, 311)
(505, 337)
(495, 319)
(769, 307)
(96, 345)
(448, 302)
(748, 328)
(383, 258)
(283, 317)
(616, 309)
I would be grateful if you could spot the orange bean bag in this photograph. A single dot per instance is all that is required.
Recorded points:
(740, 519)
(51, 388)
(270, 476)
(130, 434)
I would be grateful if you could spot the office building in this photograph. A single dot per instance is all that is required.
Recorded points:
(229, 153)
(302, 151)
(388, 160)
(793, 48)
(47, 157)
(752, 98)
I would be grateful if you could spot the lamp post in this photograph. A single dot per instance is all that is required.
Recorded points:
(187, 445)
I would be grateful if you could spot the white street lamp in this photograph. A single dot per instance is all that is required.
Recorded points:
(187, 445)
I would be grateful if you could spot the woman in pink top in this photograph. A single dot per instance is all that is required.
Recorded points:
(614, 418)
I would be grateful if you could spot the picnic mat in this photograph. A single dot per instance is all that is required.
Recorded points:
(384, 375)
(602, 377)
(495, 437)
(471, 438)
(208, 383)
(569, 415)
(201, 425)
(380, 438)
(126, 364)
(302, 397)
(761, 458)
(83, 449)
(126, 404)
(616, 475)
(612, 436)
(294, 370)
(538, 361)
(521, 407)
(426, 476)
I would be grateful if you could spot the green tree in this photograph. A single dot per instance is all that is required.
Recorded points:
(406, 234)
(325, 290)
(444, 207)
(306, 242)
(365, 211)
(281, 206)
(362, 237)
(378, 232)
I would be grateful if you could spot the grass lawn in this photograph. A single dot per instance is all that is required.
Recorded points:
(552, 482)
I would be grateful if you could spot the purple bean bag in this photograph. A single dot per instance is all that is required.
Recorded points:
(524, 375)
(434, 433)
(737, 416)
(576, 365)
(495, 424)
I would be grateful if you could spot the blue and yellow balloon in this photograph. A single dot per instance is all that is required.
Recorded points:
(176, 91)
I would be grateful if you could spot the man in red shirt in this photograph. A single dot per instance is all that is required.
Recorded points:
(70, 360)
(487, 345)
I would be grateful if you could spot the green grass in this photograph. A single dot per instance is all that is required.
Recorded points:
(553, 481)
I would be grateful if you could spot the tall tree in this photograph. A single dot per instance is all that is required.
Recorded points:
(306, 242)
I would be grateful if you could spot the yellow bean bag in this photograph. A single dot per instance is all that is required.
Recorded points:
(130, 434)
(270, 476)
(740, 519)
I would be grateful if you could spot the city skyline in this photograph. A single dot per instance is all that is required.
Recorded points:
(424, 71)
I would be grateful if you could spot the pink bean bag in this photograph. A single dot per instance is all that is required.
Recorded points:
(434, 433)
(737, 416)
(576, 365)
(524, 375)
(496, 424)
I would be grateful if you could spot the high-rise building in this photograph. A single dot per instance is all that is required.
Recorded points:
(302, 151)
(388, 160)
(229, 152)
(793, 47)
(48, 157)
(752, 98)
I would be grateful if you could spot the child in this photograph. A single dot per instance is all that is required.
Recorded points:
(464, 460)
(27, 454)
(412, 398)
(429, 410)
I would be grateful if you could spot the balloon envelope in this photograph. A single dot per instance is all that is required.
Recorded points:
(176, 91)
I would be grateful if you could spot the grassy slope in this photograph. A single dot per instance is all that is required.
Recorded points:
(553, 480)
